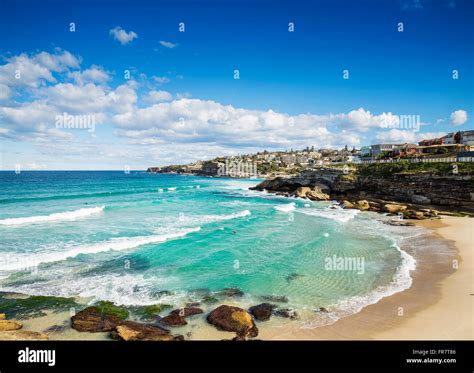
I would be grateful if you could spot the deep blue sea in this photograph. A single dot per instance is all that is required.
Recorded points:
(143, 238)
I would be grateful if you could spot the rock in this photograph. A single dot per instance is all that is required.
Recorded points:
(173, 320)
(362, 204)
(22, 335)
(317, 194)
(233, 319)
(231, 292)
(92, 320)
(399, 223)
(209, 299)
(419, 215)
(177, 317)
(6, 325)
(393, 208)
(347, 205)
(275, 298)
(422, 200)
(55, 329)
(293, 276)
(193, 304)
(322, 309)
(302, 191)
(133, 331)
(187, 311)
(286, 312)
(262, 312)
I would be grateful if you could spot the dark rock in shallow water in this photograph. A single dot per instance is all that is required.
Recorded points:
(177, 317)
(286, 312)
(149, 312)
(262, 312)
(399, 223)
(92, 320)
(56, 329)
(275, 298)
(231, 292)
(322, 309)
(173, 320)
(209, 299)
(193, 304)
(187, 311)
(233, 319)
(293, 276)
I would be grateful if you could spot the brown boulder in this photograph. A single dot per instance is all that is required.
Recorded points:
(233, 319)
(187, 311)
(92, 320)
(133, 331)
(177, 317)
(317, 194)
(394, 208)
(362, 204)
(302, 191)
(173, 320)
(6, 325)
(347, 205)
(262, 312)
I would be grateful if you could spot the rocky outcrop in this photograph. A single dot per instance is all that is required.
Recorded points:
(233, 319)
(262, 312)
(378, 192)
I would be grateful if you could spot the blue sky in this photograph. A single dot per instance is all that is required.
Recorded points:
(290, 92)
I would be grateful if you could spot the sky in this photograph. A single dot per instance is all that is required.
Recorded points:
(117, 84)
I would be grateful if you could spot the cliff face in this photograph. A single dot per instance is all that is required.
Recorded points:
(456, 191)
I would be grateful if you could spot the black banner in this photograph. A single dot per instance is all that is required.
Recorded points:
(317, 356)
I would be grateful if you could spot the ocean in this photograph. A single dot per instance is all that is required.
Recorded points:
(138, 239)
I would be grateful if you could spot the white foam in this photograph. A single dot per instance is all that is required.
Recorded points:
(11, 262)
(286, 208)
(122, 289)
(59, 216)
(334, 213)
(206, 219)
(171, 189)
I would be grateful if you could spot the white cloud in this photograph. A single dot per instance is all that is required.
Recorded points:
(458, 117)
(158, 96)
(405, 136)
(4, 92)
(122, 36)
(95, 74)
(168, 44)
(37, 70)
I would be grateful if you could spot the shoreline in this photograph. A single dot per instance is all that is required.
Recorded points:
(438, 295)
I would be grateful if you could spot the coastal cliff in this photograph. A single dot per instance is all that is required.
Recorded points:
(383, 189)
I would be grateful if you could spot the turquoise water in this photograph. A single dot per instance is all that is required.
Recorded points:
(130, 237)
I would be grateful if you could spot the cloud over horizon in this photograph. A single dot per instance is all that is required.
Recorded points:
(157, 124)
